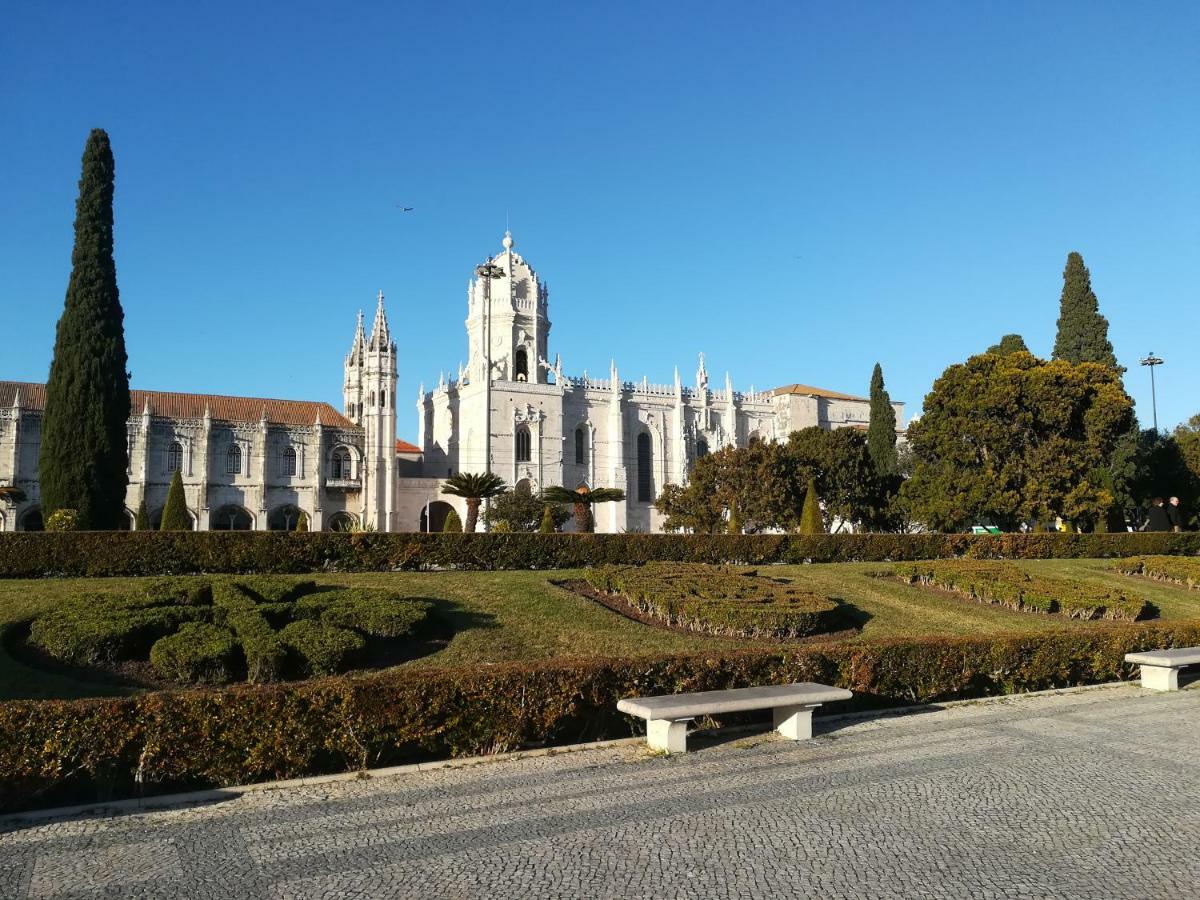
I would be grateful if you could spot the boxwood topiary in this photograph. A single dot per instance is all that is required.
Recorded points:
(197, 652)
(321, 649)
(375, 612)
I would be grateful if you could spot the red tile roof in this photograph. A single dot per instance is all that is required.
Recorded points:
(192, 406)
(808, 390)
(406, 447)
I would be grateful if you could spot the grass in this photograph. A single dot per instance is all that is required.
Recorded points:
(503, 616)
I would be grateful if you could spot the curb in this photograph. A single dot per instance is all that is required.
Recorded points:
(214, 795)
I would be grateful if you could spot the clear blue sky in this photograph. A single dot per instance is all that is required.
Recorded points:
(797, 189)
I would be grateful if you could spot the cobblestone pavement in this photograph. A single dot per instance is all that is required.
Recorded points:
(1091, 794)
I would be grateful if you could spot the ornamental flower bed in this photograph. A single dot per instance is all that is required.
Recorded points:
(1005, 584)
(1184, 570)
(720, 600)
(220, 630)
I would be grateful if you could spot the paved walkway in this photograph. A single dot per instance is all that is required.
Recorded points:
(1092, 794)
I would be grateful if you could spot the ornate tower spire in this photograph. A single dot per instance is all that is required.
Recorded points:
(701, 376)
(381, 337)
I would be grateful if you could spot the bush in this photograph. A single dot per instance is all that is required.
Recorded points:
(374, 612)
(96, 629)
(322, 649)
(718, 599)
(1161, 568)
(1005, 584)
(133, 553)
(63, 520)
(54, 752)
(197, 652)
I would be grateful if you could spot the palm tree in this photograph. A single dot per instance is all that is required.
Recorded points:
(11, 493)
(474, 488)
(583, 498)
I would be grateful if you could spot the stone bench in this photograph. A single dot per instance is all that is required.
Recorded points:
(667, 717)
(1160, 668)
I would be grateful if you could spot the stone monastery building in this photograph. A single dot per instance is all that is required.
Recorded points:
(250, 463)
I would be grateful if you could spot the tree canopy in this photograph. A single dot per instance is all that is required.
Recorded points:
(1082, 330)
(1012, 438)
(474, 487)
(83, 458)
(522, 510)
(1010, 343)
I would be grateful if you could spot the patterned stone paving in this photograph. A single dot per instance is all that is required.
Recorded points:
(1090, 794)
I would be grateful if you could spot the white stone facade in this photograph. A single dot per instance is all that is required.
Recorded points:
(250, 463)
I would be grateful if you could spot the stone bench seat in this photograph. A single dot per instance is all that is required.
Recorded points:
(1160, 668)
(667, 716)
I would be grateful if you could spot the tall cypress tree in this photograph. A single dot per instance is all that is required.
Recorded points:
(83, 458)
(1082, 331)
(175, 514)
(881, 433)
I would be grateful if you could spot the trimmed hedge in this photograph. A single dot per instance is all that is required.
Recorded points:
(133, 553)
(719, 599)
(54, 752)
(1161, 568)
(1004, 584)
(322, 649)
(197, 652)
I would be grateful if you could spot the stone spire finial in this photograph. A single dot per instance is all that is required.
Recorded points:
(381, 337)
(702, 376)
(508, 241)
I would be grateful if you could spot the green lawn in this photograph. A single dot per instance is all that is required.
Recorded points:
(504, 616)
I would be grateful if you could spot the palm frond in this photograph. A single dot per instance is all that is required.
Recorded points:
(475, 485)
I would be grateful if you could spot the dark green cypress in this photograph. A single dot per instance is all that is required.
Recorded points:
(141, 521)
(1010, 343)
(881, 433)
(83, 457)
(1082, 331)
(175, 515)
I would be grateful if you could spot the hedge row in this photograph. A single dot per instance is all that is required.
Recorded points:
(54, 752)
(1004, 584)
(719, 600)
(1161, 568)
(38, 555)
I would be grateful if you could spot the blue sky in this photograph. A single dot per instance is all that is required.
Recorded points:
(796, 189)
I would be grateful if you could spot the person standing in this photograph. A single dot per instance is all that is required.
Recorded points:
(1175, 514)
(1156, 517)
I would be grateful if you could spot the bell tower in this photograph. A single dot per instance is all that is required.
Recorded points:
(371, 388)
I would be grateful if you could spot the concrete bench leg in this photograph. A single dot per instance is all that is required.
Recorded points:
(795, 722)
(667, 734)
(1160, 678)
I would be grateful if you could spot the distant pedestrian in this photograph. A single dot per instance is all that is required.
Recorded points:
(1156, 517)
(1175, 514)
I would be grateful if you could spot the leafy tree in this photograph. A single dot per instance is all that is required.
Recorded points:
(83, 457)
(734, 490)
(63, 520)
(1010, 343)
(474, 487)
(692, 508)
(142, 520)
(582, 500)
(810, 515)
(1082, 330)
(881, 433)
(521, 510)
(175, 515)
(453, 524)
(1012, 438)
(547, 525)
(840, 465)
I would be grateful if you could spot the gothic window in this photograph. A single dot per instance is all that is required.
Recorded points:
(524, 445)
(233, 460)
(701, 448)
(383, 398)
(581, 446)
(341, 464)
(289, 461)
(521, 365)
(645, 486)
(174, 457)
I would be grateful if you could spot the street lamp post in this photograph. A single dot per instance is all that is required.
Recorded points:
(1151, 360)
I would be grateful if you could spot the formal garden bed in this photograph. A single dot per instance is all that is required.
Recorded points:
(1178, 570)
(165, 632)
(720, 600)
(1006, 584)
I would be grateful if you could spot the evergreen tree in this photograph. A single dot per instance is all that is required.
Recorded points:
(1010, 343)
(1082, 331)
(547, 526)
(83, 457)
(175, 515)
(881, 433)
(302, 521)
(142, 520)
(810, 515)
(453, 524)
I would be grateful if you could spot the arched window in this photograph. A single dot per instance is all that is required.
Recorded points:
(521, 365)
(289, 462)
(581, 446)
(342, 464)
(524, 445)
(233, 460)
(174, 457)
(383, 398)
(645, 485)
(701, 448)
